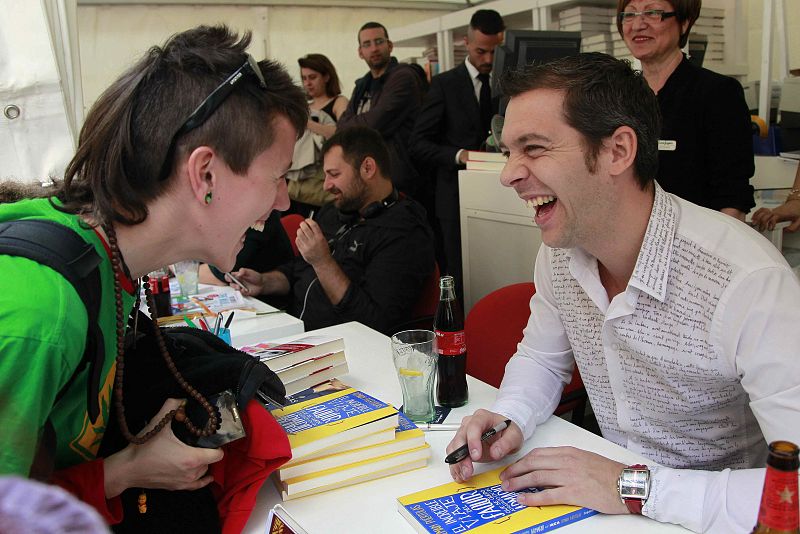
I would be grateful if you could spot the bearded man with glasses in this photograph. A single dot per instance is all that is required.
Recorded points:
(705, 149)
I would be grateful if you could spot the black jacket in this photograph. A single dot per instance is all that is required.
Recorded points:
(448, 121)
(387, 258)
(395, 99)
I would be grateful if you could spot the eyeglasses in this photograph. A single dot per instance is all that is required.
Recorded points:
(208, 106)
(377, 42)
(651, 15)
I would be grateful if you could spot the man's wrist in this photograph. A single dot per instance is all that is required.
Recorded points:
(634, 487)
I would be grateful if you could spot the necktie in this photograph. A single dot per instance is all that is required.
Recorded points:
(485, 103)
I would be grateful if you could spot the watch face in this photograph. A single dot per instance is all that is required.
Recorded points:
(635, 484)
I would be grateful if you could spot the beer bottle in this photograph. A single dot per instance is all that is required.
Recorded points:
(778, 513)
(451, 344)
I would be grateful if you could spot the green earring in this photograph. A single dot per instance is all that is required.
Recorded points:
(208, 198)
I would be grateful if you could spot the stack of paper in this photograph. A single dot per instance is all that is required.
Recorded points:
(304, 362)
(340, 436)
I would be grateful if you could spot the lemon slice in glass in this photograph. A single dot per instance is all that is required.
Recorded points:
(409, 372)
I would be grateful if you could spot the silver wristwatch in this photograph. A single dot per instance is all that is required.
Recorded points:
(634, 487)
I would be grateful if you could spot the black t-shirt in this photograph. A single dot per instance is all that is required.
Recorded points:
(707, 124)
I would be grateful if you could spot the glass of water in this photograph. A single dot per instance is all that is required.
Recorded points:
(414, 354)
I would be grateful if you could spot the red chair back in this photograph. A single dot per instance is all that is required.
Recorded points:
(494, 328)
(290, 224)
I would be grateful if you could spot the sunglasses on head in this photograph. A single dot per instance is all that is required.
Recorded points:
(208, 106)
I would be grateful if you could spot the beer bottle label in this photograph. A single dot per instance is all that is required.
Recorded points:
(451, 343)
(779, 508)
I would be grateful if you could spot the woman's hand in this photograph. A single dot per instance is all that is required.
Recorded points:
(163, 462)
(766, 219)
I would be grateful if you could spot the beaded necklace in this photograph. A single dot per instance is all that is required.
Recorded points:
(178, 414)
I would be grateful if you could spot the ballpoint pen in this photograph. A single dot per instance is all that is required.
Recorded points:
(462, 452)
(236, 281)
(451, 427)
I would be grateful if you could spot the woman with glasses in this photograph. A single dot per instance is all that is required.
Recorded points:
(705, 146)
(183, 153)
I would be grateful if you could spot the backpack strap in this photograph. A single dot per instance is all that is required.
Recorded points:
(64, 251)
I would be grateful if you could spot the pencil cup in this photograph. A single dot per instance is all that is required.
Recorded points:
(414, 354)
(186, 272)
(225, 335)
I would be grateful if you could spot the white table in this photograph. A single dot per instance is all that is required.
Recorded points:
(371, 506)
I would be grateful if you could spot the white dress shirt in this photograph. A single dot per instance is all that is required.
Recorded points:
(694, 365)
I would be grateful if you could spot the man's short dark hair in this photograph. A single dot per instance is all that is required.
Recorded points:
(600, 95)
(359, 142)
(370, 26)
(124, 140)
(487, 21)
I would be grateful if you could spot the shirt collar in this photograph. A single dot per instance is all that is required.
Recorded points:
(652, 266)
(473, 72)
(651, 272)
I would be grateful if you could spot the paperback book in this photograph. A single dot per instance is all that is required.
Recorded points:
(477, 155)
(480, 505)
(281, 522)
(485, 165)
(283, 355)
(338, 417)
(404, 438)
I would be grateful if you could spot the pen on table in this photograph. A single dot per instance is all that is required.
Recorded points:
(439, 426)
(270, 312)
(189, 321)
(462, 452)
(203, 306)
(230, 318)
(267, 399)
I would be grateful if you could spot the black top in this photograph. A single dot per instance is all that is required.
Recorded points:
(262, 252)
(705, 114)
(387, 258)
(328, 108)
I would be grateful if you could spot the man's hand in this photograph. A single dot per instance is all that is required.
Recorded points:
(491, 450)
(766, 219)
(311, 243)
(571, 476)
(463, 155)
(163, 462)
(252, 280)
(735, 213)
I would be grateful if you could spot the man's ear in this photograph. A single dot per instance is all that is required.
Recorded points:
(466, 40)
(622, 145)
(200, 172)
(360, 55)
(368, 168)
(391, 46)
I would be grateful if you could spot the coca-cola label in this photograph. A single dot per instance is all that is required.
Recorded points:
(779, 508)
(451, 343)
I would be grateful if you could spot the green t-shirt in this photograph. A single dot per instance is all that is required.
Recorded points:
(42, 336)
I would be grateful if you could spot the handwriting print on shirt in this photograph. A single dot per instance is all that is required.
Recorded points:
(659, 386)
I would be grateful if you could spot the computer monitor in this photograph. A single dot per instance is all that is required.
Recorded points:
(523, 47)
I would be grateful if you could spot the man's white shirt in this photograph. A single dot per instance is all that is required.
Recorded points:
(692, 366)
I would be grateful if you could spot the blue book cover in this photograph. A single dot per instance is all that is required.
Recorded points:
(480, 505)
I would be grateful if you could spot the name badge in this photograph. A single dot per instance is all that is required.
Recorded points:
(665, 144)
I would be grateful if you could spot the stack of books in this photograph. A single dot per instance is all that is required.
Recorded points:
(482, 505)
(485, 161)
(304, 362)
(341, 436)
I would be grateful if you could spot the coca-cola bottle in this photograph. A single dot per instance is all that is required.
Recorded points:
(451, 369)
(779, 512)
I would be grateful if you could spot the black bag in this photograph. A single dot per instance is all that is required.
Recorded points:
(209, 365)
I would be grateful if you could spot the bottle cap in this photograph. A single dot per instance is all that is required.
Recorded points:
(165, 284)
(153, 286)
(446, 282)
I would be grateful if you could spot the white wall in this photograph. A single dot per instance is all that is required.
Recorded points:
(754, 11)
(113, 37)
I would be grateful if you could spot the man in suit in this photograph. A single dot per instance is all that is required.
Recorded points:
(387, 99)
(455, 118)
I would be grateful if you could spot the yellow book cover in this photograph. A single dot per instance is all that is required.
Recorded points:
(339, 477)
(318, 423)
(480, 505)
(406, 436)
